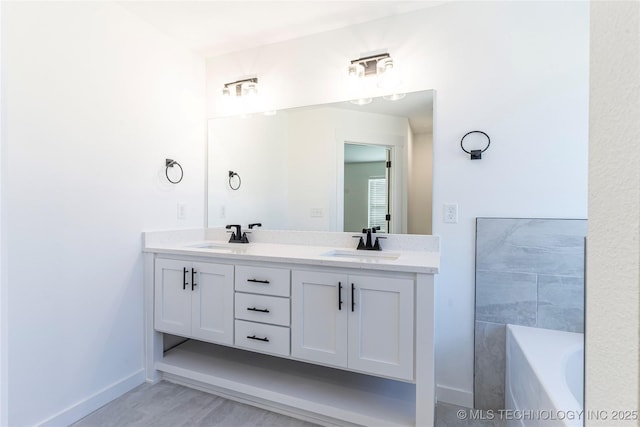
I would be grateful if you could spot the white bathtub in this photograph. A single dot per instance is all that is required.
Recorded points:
(544, 377)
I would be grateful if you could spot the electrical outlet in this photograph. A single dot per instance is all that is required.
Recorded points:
(316, 213)
(223, 212)
(451, 213)
(182, 210)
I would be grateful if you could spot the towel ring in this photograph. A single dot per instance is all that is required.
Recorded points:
(475, 154)
(231, 175)
(169, 163)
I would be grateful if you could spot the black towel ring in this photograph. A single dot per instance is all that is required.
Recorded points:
(231, 175)
(169, 163)
(475, 154)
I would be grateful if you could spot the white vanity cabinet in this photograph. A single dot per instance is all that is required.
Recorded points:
(194, 299)
(334, 340)
(359, 322)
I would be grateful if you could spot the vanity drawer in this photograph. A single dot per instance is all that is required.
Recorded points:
(263, 338)
(262, 308)
(263, 280)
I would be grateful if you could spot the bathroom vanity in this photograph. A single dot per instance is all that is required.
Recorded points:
(299, 323)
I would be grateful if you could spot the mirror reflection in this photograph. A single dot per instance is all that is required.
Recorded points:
(329, 167)
(366, 187)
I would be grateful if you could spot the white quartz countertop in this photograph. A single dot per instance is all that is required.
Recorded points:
(396, 258)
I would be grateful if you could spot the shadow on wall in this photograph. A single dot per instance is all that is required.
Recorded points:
(529, 272)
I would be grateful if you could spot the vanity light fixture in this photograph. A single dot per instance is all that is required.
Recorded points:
(239, 88)
(369, 65)
(381, 66)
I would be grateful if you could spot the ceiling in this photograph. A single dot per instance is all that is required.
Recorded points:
(213, 28)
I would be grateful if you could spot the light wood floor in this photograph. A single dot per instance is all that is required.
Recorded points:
(170, 405)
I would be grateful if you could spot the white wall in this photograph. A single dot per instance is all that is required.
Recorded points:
(516, 70)
(95, 100)
(613, 247)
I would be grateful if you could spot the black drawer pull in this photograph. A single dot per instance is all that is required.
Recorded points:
(193, 279)
(339, 295)
(265, 339)
(265, 310)
(258, 281)
(184, 278)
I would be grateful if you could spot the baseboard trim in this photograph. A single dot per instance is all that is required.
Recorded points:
(454, 396)
(86, 406)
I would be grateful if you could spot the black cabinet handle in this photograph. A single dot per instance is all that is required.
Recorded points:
(265, 339)
(353, 299)
(258, 281)
(184, 278)
(339, 295)
(193, 280)
(265, 310)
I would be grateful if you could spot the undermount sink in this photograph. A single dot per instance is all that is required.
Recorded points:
(220, 247)
(362, 255)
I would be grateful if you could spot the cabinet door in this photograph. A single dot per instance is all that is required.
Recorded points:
(212, 304)
(318, 321)
(381, 326)
(172, 297)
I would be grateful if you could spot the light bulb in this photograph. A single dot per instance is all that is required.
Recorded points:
(250, 89)
(394, 96)
(362, 101)
(355, 71)
(387, 76)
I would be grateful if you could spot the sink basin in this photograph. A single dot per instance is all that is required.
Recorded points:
(219, 247)
(362, 255)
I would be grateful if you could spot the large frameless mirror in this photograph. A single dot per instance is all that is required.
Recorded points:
(329, 167)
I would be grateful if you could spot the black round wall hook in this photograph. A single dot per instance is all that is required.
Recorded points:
(231, 175)
(169, 163)
(475, 154)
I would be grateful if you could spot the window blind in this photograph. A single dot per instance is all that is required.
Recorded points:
(377, 203)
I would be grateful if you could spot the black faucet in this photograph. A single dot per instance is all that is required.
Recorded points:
(238, 236)
(369, 246)
(255, 224)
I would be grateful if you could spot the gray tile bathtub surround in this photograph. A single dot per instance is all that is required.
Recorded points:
(561, 303)
(489, 368)
(528, 272)
(506, 297)
(541, 246)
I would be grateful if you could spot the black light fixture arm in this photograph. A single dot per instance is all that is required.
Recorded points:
(370, 58)
(237, 82)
